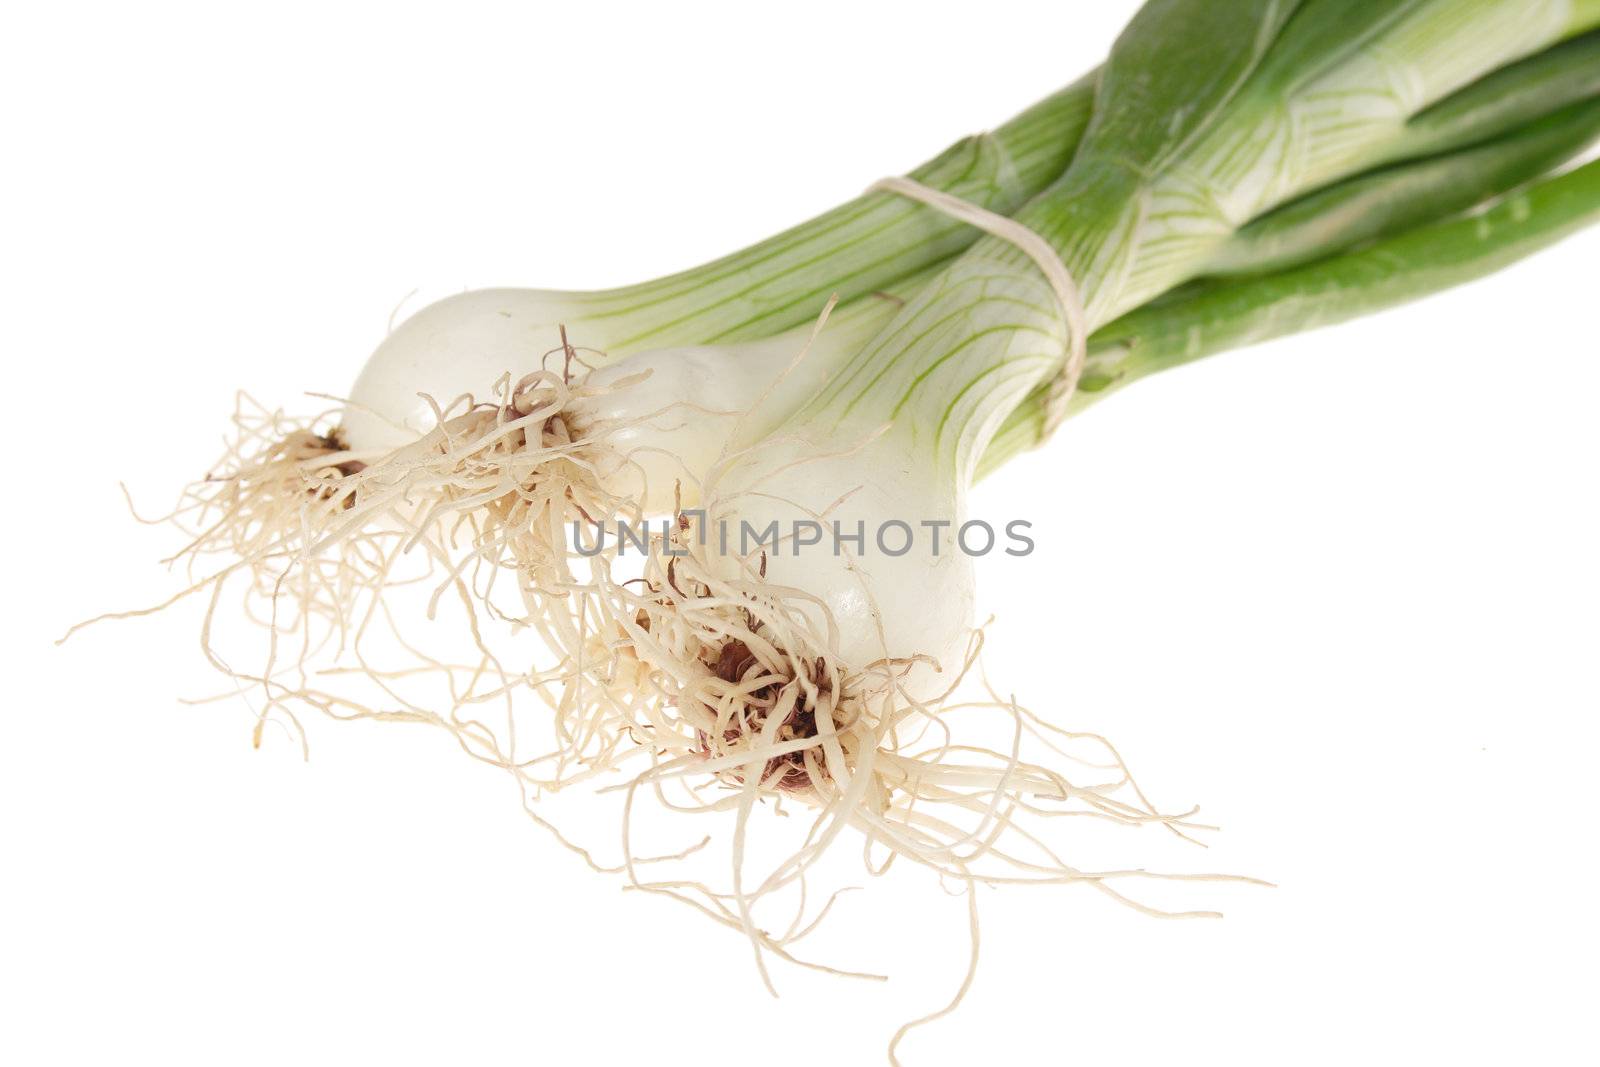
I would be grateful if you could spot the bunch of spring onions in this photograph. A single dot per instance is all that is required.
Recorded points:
(1236, 171)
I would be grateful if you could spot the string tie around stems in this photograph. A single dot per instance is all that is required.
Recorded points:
(1048, 260)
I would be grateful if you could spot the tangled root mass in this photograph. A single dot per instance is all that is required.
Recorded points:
(688, 679)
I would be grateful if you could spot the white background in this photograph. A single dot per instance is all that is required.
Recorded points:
(1341, 590)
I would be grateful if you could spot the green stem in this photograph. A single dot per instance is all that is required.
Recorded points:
(1241, 313)
(1208, 116)
(1508, 99)
(1395, 199)
(866, 245)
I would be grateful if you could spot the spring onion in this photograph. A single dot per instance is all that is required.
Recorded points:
(1236, 171)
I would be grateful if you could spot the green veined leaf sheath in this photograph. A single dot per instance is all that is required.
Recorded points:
(1208, 116)
(1394, 199)
(1508, 99)
(1306, 95)
(866, 245)
(1401, 269)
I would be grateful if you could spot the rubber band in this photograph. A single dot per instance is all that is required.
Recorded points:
(1044, 256)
